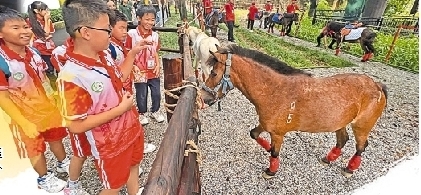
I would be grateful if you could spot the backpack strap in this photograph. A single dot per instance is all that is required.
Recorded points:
(113, 51)
(4, 66)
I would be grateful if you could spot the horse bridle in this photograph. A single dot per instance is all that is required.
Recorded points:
(225, 81)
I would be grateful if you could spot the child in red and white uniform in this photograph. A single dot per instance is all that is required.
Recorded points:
(27, 97)
(39, 19)
(149, 67)
(93, 99)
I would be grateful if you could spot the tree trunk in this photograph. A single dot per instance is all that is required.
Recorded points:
(374, 8)
(313, 6)
(353, 9)
(182, 10)
(414, 8)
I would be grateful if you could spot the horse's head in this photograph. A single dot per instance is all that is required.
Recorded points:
(192, 33)
(218, 84)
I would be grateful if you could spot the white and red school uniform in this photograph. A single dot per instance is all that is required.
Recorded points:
(145, 60)
(121, 54)
(79, 142)
(88, 87)
(29, 88)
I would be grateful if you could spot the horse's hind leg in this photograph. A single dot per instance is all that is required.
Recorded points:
(341, 139)
(361, 128)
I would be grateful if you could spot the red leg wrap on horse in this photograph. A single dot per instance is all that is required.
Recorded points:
(274, 164)
(354, 163)
(333, 154)
(265, 144)
(365, 57)
(196, 72)
(369, 56)
(337, 51)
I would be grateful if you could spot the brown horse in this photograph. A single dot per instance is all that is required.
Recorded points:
(288, 99)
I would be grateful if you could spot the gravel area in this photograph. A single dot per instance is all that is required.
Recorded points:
(233, 162)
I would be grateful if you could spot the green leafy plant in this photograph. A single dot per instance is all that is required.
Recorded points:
(56, 15)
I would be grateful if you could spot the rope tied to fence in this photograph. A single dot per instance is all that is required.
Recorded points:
(171, 93)
(194, 150)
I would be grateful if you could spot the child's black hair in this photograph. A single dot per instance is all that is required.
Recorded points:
(8, 14)
(146, 9)
(36, 26)
(77, 13)
(117, 17)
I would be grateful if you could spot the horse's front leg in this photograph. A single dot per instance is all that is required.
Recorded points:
(254, 133)
(276, 143)
(341, 139)
(338, 44)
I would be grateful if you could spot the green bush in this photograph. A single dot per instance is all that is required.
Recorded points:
(404, 55)
(56, 15)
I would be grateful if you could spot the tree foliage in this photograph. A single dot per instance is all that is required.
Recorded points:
(398, 7)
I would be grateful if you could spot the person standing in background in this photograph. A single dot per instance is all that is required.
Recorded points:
(251, 16)
(229, 18)
(291, 8)
(126, 8)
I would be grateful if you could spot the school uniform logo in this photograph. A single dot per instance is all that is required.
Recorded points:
(18, 76)
(97, 87)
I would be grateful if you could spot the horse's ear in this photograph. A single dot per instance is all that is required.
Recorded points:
(217, 47)
(213, 54)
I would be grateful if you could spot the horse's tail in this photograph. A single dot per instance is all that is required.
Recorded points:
(384, 89)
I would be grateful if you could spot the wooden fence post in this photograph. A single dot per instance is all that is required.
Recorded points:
(173, 78)
(395, 38)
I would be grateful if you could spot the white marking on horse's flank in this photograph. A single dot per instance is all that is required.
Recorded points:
(380, 96)
(289, 118)
(292, 105)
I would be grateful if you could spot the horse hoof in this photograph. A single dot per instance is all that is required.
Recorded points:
(324, 161)
(363, 60)
(346, 172)
(268, 174)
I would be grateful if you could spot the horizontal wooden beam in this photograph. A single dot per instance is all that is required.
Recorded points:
(156, 28)
(170, 50)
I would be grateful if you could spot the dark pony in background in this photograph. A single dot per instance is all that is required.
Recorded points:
(286, 19)
(213, 22)
(363, 35)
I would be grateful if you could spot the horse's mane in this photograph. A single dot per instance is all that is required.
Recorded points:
(261, 58)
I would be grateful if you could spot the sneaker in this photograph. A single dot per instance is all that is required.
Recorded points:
(140, 191)
(63, 166)
(50, 183)
(158, 117)
(140, 171)
(143, 119)
(74, 190)
(149, 148)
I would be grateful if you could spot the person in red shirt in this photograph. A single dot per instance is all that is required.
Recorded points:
(291, 8)
(229, 18)
(93, 99)
(268, 6)
(27, 97)
(207, 5)
(39, 19)
(251, 16)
